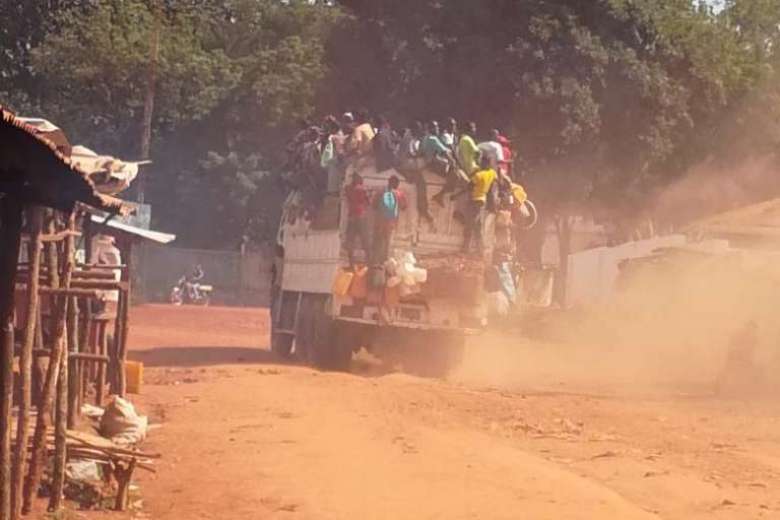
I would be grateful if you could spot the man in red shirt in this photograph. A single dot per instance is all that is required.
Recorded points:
(506, 165)
(388, 206)
(358, 202)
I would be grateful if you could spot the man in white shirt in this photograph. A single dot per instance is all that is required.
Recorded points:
(493, 149)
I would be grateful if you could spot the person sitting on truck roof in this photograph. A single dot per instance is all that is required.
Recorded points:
(332, 144)
(481, 183)
(384, 146)
(358, 202)
(440, 159)
(409, 166)
(468, 152)
(388, 206)
(505, 166)
(449, 135)
(493, 149)
(360, 142)
(436, 154)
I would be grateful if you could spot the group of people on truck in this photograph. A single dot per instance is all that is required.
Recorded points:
(483, 170)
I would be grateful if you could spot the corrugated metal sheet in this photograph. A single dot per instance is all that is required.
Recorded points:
(312, 259)
(154, 236)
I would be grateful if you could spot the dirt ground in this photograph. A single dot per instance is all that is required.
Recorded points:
(523, 430)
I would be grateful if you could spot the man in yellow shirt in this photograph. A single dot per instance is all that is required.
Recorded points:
(468, 152)
(481, 183)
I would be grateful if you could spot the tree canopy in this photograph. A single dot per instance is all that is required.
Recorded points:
(606, 101)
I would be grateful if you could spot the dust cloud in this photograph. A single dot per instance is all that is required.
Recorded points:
(674, 320)
(669, 329)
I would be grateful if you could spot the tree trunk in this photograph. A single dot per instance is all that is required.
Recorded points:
(148, 116)
(26, 359)
(10, 238)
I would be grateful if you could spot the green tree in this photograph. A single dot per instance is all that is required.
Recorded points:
(232, 77)
(96, 69)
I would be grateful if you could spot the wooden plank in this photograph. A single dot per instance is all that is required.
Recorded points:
(106, 285)
(80, 293)
(60, 236)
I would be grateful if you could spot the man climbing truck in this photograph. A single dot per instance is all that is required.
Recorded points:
(413, 303)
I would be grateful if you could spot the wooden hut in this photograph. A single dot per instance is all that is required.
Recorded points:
(40, 189)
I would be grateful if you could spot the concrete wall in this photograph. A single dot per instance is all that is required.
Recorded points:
(237, 279)
(592, 274)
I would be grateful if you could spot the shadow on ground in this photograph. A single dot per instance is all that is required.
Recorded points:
(204, 356)
(363, 364)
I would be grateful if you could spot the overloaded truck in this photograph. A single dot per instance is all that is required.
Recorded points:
(323, 312)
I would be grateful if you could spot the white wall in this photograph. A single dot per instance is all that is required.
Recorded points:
(592, 274)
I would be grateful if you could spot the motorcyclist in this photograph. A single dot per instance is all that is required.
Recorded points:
(193, 282)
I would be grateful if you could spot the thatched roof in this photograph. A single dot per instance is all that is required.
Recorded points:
(33, 169)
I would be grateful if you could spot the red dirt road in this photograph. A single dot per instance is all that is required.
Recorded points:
(245, 437)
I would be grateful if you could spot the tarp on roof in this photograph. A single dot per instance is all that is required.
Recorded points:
(31, 167)
(109, 174)
(50, 131)
(155, 236)
(760, 220)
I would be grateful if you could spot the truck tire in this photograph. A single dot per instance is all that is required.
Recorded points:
(281, 315)
(282, 344)
(329, 350)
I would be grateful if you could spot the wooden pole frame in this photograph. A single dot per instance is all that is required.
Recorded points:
(63, 381)
(38, 455)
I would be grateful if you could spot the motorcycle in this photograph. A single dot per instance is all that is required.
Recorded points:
(187, 293)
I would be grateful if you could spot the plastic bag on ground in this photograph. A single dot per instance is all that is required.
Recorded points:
(83, 471)
(122, 424)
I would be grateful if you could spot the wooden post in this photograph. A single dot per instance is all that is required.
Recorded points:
(100, 383)
(25, 361)
(38, 372)
(38, 455)
(63, 382)
(127, 276)
(10, 238)
(113, 347)
(74, 374)
(86, 371)
(123, 477)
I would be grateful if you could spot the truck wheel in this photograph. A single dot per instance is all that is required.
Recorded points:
(329, 350)
(281, 344)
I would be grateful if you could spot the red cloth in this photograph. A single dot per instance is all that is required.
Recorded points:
(357, 200)
(506, 146)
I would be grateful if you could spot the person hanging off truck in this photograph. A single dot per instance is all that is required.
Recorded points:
(481, 188)
(358, 203)
(388, 206)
